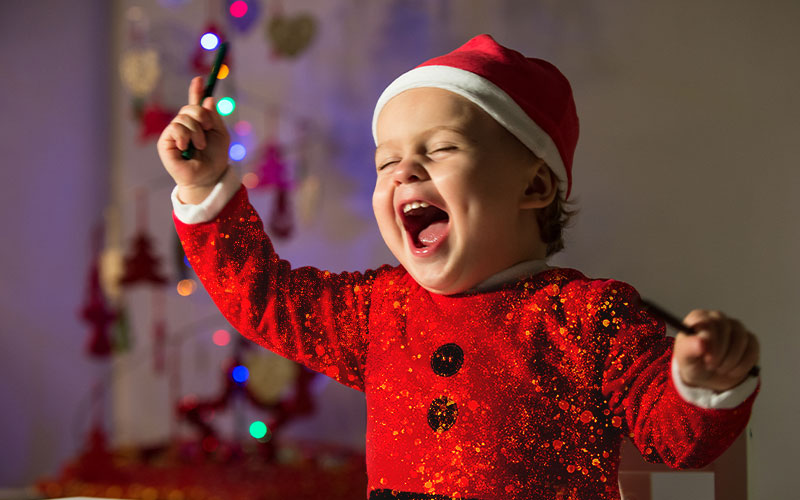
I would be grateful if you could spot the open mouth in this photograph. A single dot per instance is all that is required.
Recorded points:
(426, 224)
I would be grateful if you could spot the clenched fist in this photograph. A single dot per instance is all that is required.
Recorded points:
(719, 356)
(200, 123)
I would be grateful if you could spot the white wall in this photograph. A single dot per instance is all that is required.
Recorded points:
(54, 156)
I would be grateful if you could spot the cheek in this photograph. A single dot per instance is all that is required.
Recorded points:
(381, 206)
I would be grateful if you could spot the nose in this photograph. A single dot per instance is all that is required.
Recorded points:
(409, 170)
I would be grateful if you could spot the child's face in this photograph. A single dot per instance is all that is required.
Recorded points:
(436, 148)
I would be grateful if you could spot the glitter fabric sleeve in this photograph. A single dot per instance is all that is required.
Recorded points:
(313, 317)
(641, 395)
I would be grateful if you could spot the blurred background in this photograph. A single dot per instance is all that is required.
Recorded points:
(685, 175)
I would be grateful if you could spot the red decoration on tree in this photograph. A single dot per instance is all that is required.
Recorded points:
(153, 118)
(198, 413)
(140, 264)
(281, 222)
(274, 171)
(95, 311)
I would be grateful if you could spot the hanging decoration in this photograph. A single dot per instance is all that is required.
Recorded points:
(242, 14)
(153, 118)
(237, 384)
(290, 36)
(140, 66)
(96, 311)
(273, 171)
(140, 263)
(281, 221)
(140, 70)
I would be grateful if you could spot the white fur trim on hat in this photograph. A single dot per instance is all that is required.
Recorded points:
(489, 97)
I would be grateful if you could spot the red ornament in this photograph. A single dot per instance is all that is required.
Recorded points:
(199, 413)
(153, 119)
(281, 222)
(140, 264)
(95, 311)
(273, 170)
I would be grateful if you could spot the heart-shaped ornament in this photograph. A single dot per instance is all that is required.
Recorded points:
(291, 35)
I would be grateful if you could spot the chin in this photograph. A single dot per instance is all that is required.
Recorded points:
(440, 284)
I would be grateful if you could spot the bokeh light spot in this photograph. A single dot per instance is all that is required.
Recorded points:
(237, 151)
(221, 338)
(186, 287)
(258, 429)
(209, 41)
(224, 70)
(243, 127)
(238, 8)
(250, 180)
(225, 106)
(241, 374)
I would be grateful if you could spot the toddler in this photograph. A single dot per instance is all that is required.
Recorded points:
(488, 374)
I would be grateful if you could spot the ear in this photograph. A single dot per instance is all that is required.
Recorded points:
(542, 186)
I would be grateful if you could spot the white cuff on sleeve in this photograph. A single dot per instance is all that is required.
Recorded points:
(212, 205)
(709, 399)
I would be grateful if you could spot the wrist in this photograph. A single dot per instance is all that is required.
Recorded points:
(194, 194)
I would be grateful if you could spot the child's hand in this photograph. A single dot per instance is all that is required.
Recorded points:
(200, 123)
(719, 356)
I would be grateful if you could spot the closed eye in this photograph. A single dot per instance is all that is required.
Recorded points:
(386, 164)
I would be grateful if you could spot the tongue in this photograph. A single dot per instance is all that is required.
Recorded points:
(433, 233)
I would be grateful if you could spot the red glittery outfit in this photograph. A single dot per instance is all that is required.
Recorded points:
(524, 392)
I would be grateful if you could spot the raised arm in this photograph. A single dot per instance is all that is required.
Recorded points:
(317, 318)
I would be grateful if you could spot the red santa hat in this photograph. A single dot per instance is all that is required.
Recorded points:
(529, 97)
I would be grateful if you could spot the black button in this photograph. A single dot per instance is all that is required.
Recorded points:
(442, 414)
(447, 360)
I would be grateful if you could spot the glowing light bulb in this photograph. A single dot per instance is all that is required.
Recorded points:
(258, 429)
(223, 72)
(186, 287)
(237, 151)
(209, 41)
(238, 8)
(250, 180)
(241, 374)
(225, 106)
(243, 127)
(221, 338)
